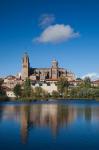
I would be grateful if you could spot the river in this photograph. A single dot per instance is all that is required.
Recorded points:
(60, 125)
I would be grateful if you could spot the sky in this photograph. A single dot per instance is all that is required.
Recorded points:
(66, 30)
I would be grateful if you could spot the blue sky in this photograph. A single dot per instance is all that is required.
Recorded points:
(67, 30)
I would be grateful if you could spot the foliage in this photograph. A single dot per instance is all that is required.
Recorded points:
(27, 88)
(65, 95)
(45, 94)
(17, 90)
(38, 91)
(62, 85)
(84, 92)
(2, 92)
(79, 79)
(1, 81)
(73, 92)
(87, 82)
(55, 94)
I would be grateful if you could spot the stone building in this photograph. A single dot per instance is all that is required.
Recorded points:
(44, 74)
(11, 81)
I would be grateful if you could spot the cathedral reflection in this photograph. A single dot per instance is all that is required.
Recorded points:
(51, 116)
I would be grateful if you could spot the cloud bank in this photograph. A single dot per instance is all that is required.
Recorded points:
(56, 34)
(93, 76)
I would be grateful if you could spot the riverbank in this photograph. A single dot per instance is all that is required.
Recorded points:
(30, 99)
(52, 101)
(4, 98)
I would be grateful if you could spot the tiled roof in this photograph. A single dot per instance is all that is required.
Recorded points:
(76, 81)
(96, 81)
(51, 79)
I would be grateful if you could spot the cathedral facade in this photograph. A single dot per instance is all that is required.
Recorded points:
(44, 74)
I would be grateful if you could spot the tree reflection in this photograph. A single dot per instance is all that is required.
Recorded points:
(52, 116)
(88, 111)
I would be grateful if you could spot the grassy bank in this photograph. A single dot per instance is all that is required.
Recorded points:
(30, 99)
(37, 98)
(4, 98)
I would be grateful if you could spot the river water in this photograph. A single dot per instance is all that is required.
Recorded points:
(60, 125)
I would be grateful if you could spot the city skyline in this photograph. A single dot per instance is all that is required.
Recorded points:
(66, 30)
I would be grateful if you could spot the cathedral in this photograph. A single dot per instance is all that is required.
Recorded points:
(52, 73)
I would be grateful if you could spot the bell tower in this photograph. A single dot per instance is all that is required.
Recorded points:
(25, 66)
(54, 69)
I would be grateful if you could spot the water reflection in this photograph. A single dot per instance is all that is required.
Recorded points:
(52, 116)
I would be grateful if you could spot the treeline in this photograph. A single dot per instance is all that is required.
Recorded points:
(3, 96)
(25, 92)
(65, 91)
(85, 90)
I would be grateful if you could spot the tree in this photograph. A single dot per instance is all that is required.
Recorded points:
(73, 92)
(17, 90)
(55, 94)
(27, 88)
(65, 92)
(62, 85)
(2, 92)
(96, 93)
(32, 93)
(83, 93)
(38, 91)
(87, 82)
(1, 81)
(79, 79)
(45, 94)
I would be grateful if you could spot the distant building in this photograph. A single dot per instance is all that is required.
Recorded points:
(95, 83)
(48, 87)
(11, 81)
(10, 94)
(46, 78)
(44, 74)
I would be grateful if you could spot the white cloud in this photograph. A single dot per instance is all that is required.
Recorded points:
(56, 34)
(93, 76)
(46, 20)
